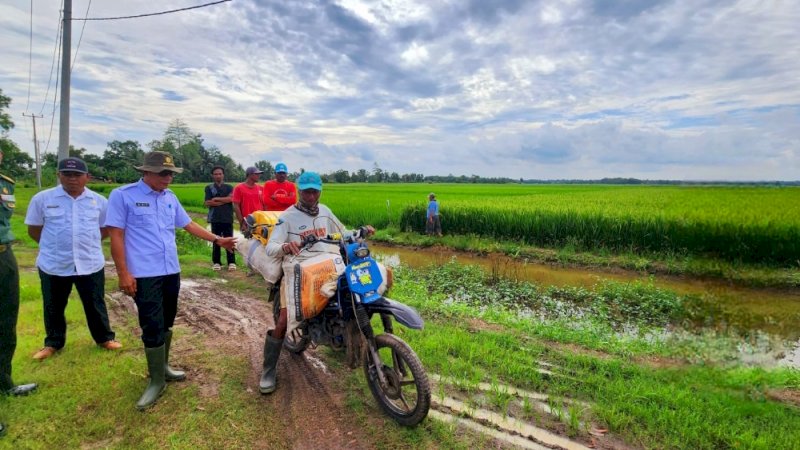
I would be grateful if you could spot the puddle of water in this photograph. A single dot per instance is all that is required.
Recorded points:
(772, 311)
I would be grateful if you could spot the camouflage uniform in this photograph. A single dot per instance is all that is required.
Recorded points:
(9, 280)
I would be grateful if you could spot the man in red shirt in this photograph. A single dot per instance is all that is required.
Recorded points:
(279, 194)
(246, 196)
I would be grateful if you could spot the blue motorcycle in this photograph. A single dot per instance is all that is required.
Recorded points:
(394, 372)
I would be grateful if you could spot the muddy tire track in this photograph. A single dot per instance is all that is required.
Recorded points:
(312, 412)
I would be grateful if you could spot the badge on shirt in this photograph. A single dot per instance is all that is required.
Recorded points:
(7, 198)
(52, 206)
(143, 204)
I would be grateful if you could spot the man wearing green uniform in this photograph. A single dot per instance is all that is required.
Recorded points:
(9, 294)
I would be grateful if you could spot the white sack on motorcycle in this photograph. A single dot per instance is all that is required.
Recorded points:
(310, 278)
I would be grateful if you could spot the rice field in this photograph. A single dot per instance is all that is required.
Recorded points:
(733, 223)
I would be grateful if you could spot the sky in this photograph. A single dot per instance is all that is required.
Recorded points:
(551, 89)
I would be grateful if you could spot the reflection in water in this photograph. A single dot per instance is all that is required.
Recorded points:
(754, 312)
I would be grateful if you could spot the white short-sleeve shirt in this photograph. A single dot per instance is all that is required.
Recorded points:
(70, 243)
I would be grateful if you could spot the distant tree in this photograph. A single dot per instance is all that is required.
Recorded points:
(266, 167)
(341, 176)
(16, 163)
(119, 160)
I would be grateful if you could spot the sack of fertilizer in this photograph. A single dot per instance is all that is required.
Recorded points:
(255, 257)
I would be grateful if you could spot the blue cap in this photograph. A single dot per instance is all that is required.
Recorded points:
(281, 167)
(309, 180)
(72, 164)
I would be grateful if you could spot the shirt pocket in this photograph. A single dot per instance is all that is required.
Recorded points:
(55, 216)
(91, 217)
(143, 218)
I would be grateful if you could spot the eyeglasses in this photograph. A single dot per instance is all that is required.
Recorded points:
(166, 173)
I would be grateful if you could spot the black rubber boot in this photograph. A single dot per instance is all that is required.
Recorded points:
(170, 374)
(269, 376)
(156, 365)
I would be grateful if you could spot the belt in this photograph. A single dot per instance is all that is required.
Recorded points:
(4, 247)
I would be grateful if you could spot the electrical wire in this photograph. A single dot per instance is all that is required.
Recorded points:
(30, 59)
(55, 96)
(154, 14)
(53, 62)
(78, 47)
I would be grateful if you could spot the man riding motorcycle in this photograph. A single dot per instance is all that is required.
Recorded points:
(306, 218)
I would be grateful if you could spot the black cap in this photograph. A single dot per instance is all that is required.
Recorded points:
(72, 165)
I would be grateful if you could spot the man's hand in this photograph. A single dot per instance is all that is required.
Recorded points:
(291, 248)
(127, 283)
(228, 243)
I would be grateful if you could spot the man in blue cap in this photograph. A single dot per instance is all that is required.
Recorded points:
(305, 218)
(67, 222)
(279, 193)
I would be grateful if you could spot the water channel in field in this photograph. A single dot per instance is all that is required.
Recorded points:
(774, 312)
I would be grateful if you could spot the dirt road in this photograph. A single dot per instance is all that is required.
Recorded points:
(235, 324)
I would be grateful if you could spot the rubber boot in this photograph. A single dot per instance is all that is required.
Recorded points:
(170, 374)
(269, 376)
(156, 365)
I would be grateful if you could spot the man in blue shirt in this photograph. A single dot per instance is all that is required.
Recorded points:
(142, 218)
(67, 222)
(433, 226)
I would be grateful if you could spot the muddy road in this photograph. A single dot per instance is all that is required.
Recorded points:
(310, 391)
(235, 324)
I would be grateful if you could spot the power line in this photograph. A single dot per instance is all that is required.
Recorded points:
(80, 38)
(30, 59)
(154, 14)
(53, 62)
(55, 96)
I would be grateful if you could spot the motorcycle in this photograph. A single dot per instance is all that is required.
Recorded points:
(393, 370)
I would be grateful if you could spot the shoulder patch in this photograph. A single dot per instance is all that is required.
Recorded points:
(9, 179)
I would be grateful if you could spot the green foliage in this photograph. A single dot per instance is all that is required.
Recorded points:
(731, 223)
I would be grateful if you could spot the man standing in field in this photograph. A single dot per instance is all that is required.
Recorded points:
(67, 223)
(279, 193)
(9, 293)
(433, 225)
(142, 218)
(220, 215)
(247, 196)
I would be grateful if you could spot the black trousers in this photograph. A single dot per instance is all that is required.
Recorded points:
(157, 301)
(224, 230)
(9, 311)
(91, 289)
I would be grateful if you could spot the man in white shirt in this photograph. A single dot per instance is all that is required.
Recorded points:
(67, 221)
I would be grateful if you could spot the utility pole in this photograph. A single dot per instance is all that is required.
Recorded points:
(66, 50)
(36, 151)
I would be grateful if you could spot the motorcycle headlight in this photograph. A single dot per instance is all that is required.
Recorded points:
(362, 252)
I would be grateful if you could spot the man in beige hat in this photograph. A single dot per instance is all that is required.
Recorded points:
(142, 218)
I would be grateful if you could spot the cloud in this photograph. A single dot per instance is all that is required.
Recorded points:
(533, 89)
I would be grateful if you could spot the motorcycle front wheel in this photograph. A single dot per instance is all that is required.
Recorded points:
(406, 396)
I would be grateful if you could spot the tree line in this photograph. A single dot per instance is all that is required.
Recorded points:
(190, 151)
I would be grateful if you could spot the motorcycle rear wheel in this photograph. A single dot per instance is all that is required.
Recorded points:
(406, 397)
